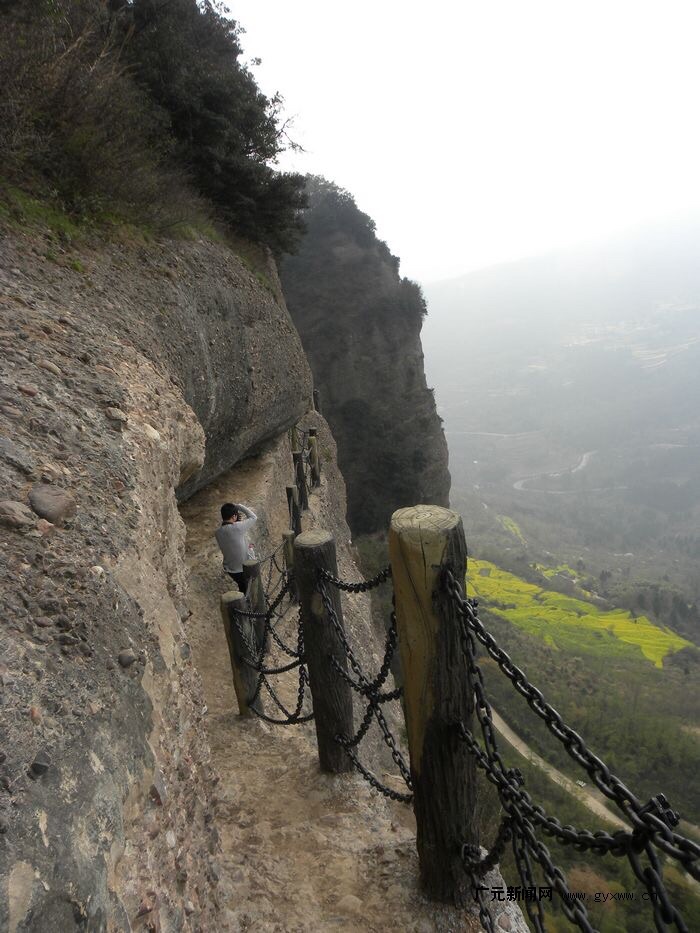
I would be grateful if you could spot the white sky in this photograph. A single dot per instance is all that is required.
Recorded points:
(477, 132)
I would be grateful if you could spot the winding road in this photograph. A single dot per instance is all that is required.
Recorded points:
(581, 465)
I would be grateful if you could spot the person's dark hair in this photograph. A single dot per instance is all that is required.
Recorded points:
(228, 510)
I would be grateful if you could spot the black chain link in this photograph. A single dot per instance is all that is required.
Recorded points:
(371, 689)
(651, 823)
(361, 587)
(478, 865)
(369, 777)
(256, 659)
(290, 652)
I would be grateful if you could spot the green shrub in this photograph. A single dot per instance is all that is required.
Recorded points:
(142, 109)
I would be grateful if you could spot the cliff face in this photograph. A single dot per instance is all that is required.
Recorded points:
(131, 794)
(360, 325)
(119, 363)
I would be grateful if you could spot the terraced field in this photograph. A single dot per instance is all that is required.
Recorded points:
(512, 527)
(567, 623)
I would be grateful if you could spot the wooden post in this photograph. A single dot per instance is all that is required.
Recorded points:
(288, 538)
(423, 540)
(317, 401)
(245, 679)
(294, 510)
(294, 437)
(298, 458)
(314, 458)
(256, 597)
(332, 696)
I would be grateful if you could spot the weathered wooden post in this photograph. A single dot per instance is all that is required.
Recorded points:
(288, 551)
(331, 694)
(256, 598)
(245, 679)
(423, 540)
(294, 437)
(294, 510)
(314, 458)
(298, 458)
(317, 401)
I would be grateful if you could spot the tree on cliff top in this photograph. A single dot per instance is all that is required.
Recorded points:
(127, 103)
(341, 236)
(227, 133)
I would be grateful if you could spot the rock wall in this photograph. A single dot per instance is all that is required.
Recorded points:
(360, 324)
(111, 803)
(118, 361)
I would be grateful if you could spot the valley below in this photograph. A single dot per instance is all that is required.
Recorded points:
(574, 439)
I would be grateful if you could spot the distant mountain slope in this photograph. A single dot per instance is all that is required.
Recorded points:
(627, 278)
(569, 385)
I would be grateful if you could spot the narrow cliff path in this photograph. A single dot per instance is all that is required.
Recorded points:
(302, 851)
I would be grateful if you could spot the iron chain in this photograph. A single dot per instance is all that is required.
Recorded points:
(361, 587)
(651, 823)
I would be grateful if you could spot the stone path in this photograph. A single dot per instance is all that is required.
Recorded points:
(302, 851)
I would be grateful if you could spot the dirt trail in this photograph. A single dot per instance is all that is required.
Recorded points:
(584, 796)
(302, 851)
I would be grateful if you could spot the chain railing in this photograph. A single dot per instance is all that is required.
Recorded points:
(361, 586)
(370, 689)
(445, 682)
(250, 649)
(256, 655)
(652, 823)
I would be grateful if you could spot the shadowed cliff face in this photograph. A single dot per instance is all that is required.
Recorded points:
(360, 325)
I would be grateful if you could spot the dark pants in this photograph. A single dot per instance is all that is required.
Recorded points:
(240, 580)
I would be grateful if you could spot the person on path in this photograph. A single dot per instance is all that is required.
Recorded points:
(232, 539)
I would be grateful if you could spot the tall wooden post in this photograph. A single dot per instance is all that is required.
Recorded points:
(298, 458)
(294, 510)
(288, 538)
(317, 401)
(331, 694)
(423, 540)
(314, 458)
(245, 679)
(256, 597)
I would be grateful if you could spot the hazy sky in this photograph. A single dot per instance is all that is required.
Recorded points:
(475, 132)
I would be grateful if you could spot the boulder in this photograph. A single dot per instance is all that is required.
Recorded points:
(52, 503)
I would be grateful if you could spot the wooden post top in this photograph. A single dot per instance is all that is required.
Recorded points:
(312, 539)
(251, 568)
(418, 519)
(233, 596)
